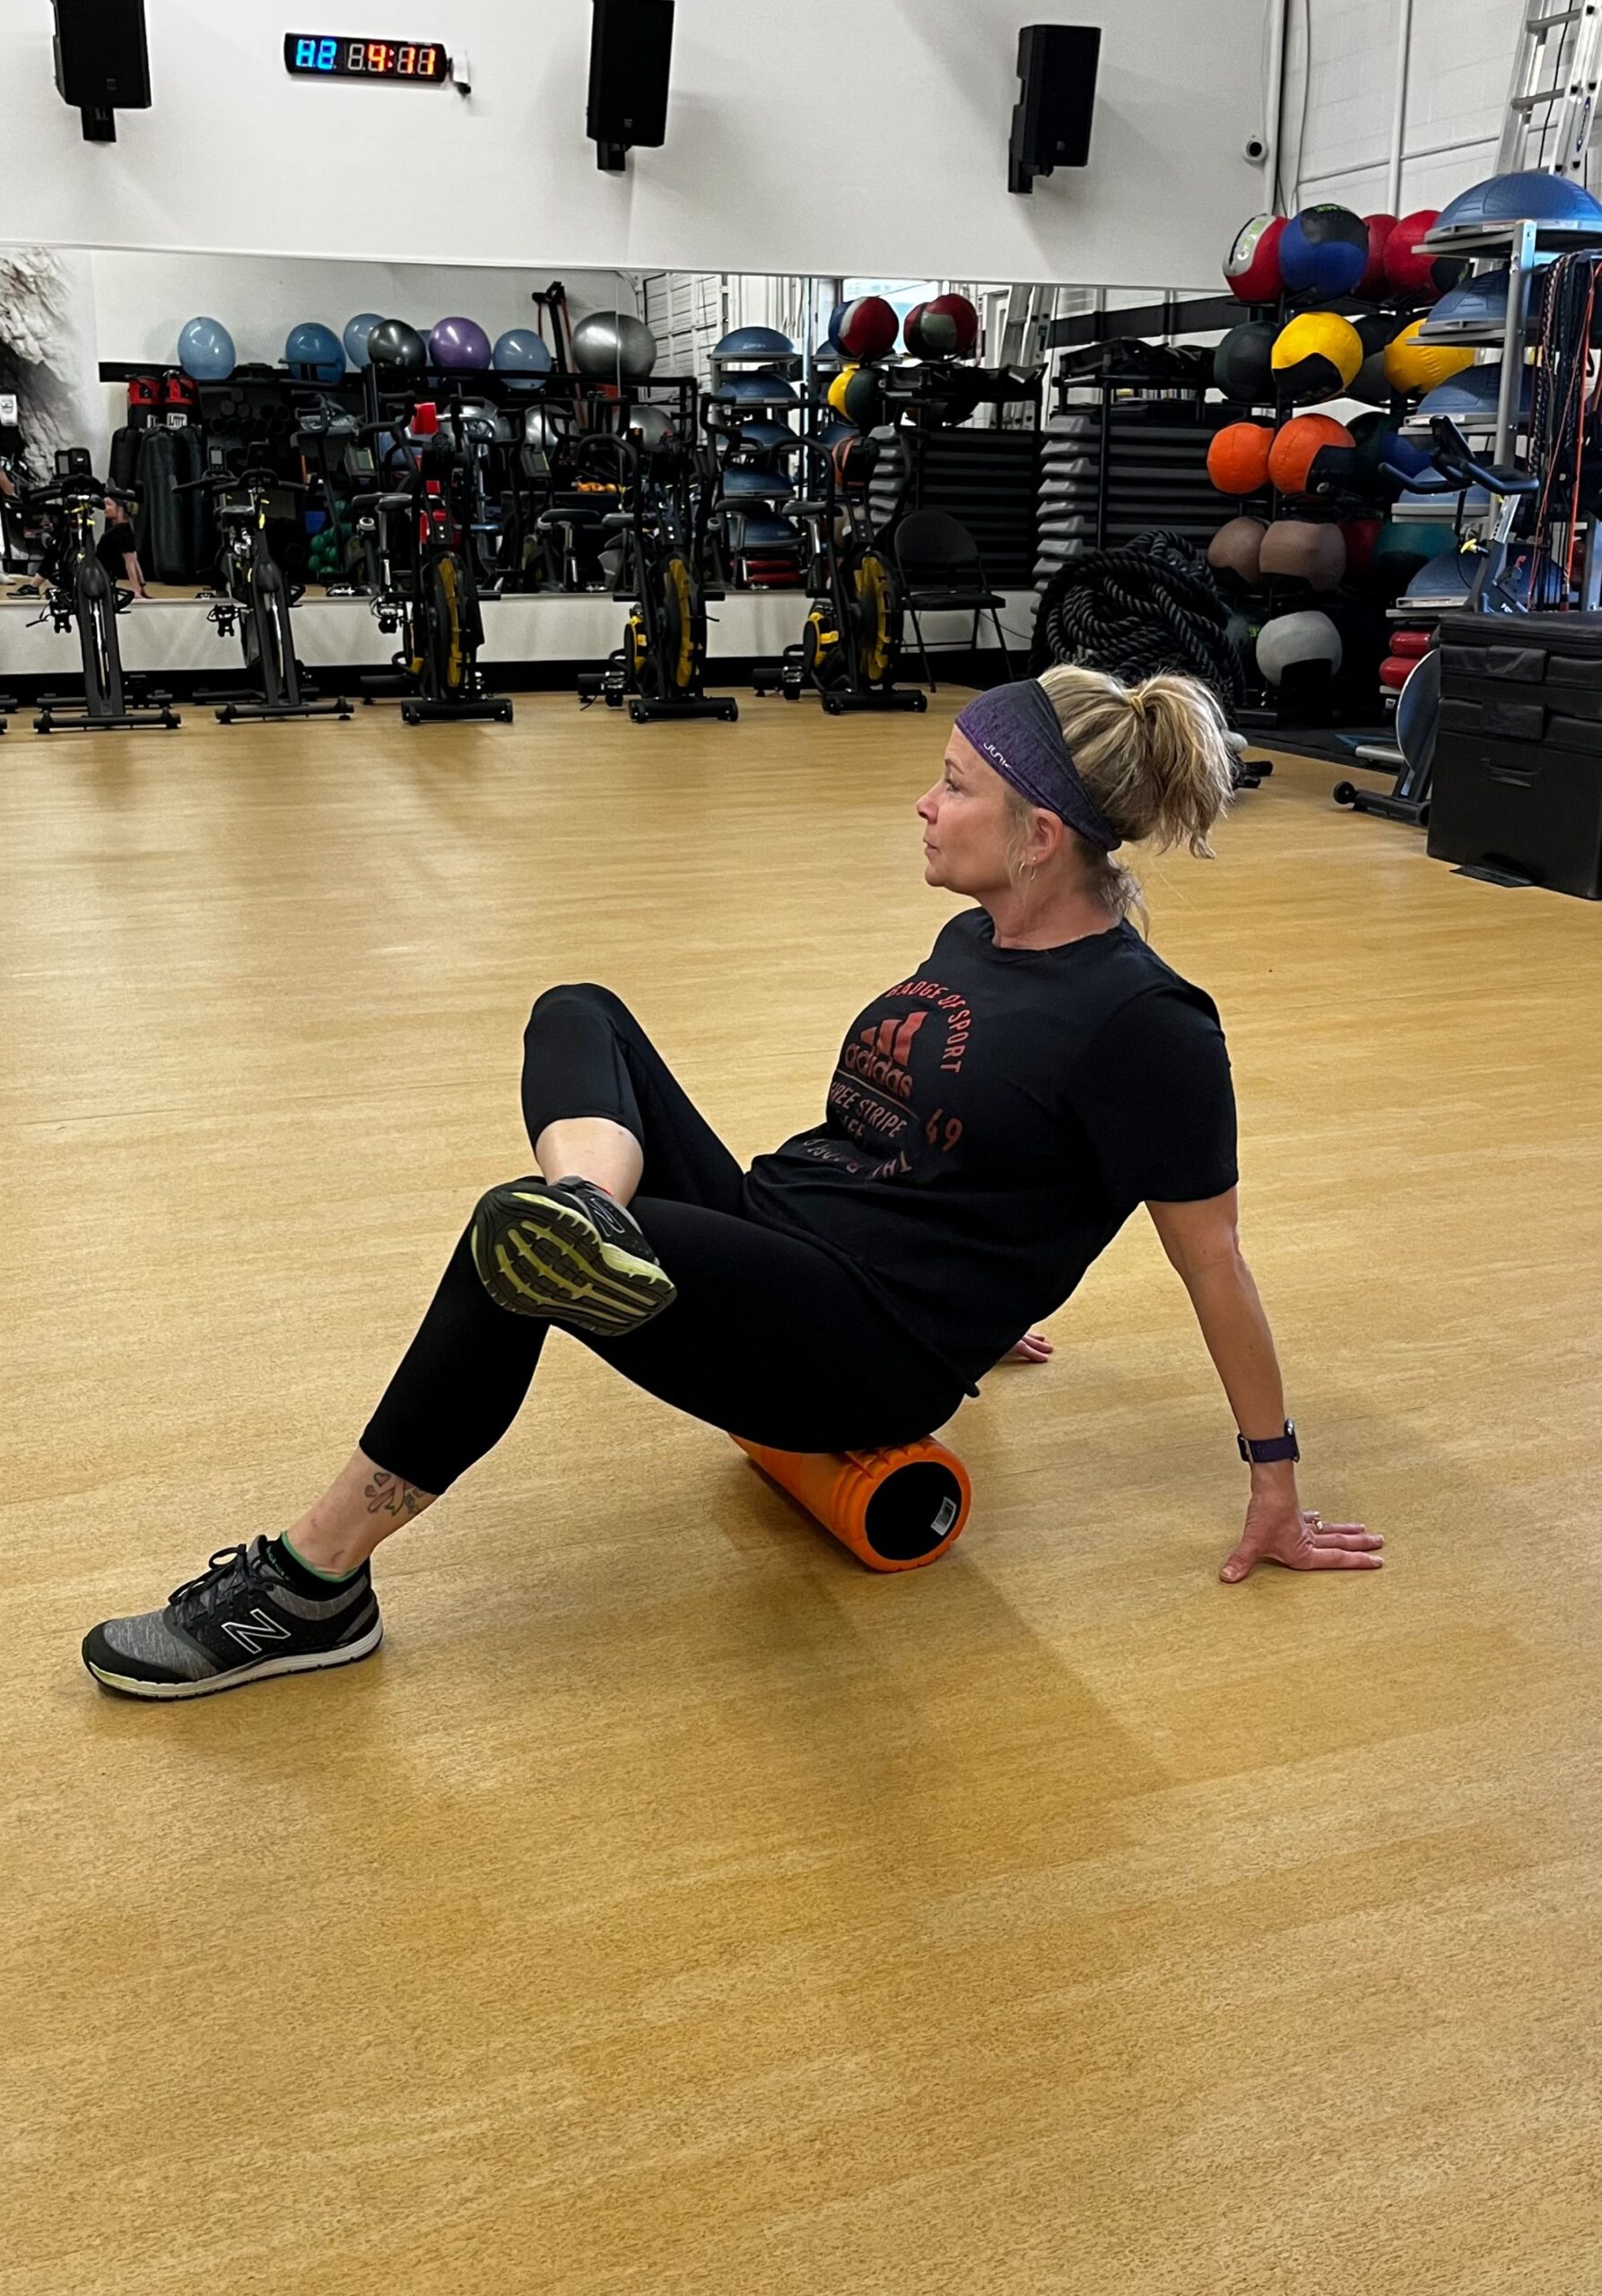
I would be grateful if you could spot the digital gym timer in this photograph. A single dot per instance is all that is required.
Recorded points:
(335, 55)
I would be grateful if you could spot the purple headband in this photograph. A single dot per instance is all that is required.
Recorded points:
(1016, 730)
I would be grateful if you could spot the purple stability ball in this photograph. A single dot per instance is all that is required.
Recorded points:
(458, 343)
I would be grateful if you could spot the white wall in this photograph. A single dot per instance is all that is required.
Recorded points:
(803, 135)
(1461, 62)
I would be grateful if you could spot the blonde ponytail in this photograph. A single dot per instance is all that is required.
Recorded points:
(1154, 756)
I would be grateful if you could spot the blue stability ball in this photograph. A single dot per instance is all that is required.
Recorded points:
(765, 434)
(356, 332)
(520, 351)
(744, 478)
(205, 351)
(313, 353)
(762, 530)
(754, 343)
(1473, 394)
(1324, 251)
(1476, 307)
(1528, 196)
(756, 389)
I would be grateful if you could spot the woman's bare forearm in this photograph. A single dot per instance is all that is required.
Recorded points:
(1241, 1345)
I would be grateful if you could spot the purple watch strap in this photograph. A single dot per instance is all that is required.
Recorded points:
(1279, 1447)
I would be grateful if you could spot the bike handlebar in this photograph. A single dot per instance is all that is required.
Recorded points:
(1457, 467)
(76, 490)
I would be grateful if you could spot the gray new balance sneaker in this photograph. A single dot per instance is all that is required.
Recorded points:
(566, 1249)
(241, 1619)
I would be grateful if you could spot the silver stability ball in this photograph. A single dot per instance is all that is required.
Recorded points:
(607, 345)
(653, 423)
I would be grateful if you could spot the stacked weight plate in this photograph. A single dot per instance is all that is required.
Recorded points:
(1070, 469)
(989, 481)
(1155, 475)
(888, 483)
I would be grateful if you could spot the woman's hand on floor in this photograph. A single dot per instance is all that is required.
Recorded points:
(1034, 1347)
(1280, 1530)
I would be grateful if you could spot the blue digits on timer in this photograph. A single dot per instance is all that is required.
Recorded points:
(315, 55)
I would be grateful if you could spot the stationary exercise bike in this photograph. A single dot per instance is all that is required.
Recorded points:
(256, 597)
(82, 595)
(422, 582)
(1499, 584)
(660, 668)
(850, 649)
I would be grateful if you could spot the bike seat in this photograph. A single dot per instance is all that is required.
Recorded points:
(382, 503)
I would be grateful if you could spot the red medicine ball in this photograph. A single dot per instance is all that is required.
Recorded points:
(1252, 264)
(865, 329)
(1374, 280)
(946, 328)
(1419, 274)
(1363, 539)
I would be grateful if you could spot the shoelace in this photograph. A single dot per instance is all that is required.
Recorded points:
(227, 1568)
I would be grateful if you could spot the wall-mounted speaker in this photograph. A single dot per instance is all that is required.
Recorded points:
(102, 64)
(630, 47)
(1051, 121)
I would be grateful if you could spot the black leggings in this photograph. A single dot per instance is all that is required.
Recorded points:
(770, 1337)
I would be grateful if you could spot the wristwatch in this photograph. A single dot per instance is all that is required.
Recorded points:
(1263, 1454)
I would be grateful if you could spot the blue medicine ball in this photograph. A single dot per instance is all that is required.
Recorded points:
(1324, 251)
(356, 332)
(520, 351)
(205, 351)
(314, 353)
(1404, 454)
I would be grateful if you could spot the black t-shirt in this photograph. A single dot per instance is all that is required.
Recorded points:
(114, 547)
(993, 1120)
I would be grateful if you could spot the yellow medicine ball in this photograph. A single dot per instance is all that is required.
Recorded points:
(1317, 355)
(1415, 367)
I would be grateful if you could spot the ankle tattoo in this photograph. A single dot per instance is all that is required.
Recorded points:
(385, 1494)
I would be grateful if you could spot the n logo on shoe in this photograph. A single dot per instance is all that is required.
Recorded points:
(251, 1632)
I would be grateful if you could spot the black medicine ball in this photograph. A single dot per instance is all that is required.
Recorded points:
(1374, 331)
(1242, 364)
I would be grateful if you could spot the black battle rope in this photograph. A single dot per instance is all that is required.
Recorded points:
(1150, 606)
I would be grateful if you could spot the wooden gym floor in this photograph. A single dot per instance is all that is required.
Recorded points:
(674, 1906)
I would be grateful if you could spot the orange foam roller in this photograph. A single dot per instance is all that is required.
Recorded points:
(896, 1509)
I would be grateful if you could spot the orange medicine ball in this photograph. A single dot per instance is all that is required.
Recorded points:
(1238, 458)
(1304, 436)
